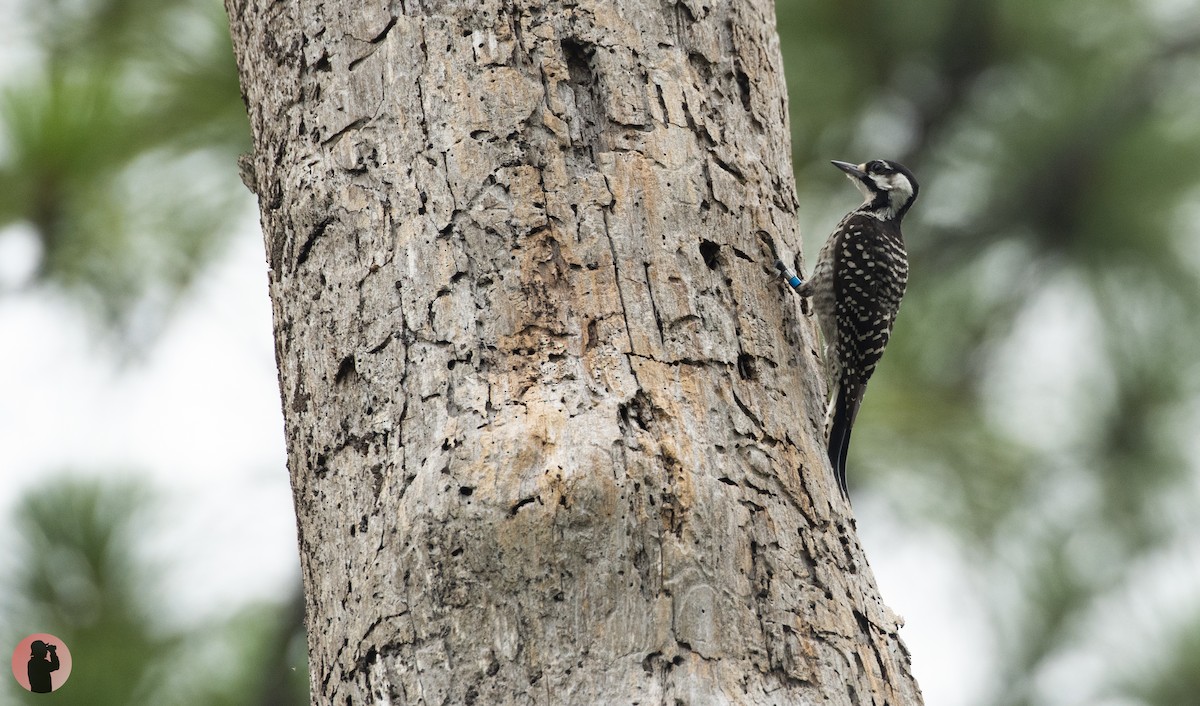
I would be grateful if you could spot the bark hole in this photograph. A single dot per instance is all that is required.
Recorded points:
(584, 84)
(711, 252)
(345, 370)
(743, 82)
(635, 411)
(520, 504)
(592, 337)
(745, 366)
(317, 231)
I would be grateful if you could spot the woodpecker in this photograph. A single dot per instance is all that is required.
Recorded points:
(856, 287)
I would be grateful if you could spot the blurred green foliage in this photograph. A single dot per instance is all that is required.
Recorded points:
(77, 574)
(119, 131)
(120, 124)
(1174, 680)
(1038, 397)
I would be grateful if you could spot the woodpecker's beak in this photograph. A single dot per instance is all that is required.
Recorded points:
(851, 169)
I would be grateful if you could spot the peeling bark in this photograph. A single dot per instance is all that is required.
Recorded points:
(553, 426)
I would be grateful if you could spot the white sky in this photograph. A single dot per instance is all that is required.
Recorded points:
(198, 417)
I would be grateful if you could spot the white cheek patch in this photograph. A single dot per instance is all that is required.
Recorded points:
(900, 187)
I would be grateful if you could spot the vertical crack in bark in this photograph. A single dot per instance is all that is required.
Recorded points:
(418, 84)
(612, 248)
(658, 322)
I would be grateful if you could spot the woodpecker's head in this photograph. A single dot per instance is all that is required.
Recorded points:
(888, 187)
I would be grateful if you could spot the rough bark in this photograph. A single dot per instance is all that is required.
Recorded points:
(553, 425)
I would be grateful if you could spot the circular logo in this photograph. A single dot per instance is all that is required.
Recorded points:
(41, 663)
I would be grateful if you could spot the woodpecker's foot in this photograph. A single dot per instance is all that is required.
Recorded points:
(789, 275)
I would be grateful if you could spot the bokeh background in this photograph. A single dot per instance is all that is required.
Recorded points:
(1026, 471)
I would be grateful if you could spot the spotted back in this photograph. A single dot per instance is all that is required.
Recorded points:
(870, 272)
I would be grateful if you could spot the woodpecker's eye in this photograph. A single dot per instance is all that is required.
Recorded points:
(877, 167)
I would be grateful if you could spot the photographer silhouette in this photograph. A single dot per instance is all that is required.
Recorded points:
(40, 668)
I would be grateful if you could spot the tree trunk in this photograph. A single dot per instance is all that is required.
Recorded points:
(553, 424)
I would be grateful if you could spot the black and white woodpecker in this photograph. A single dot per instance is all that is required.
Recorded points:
(856, 289)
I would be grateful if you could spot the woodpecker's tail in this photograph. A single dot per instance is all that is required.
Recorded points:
(848, 399)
